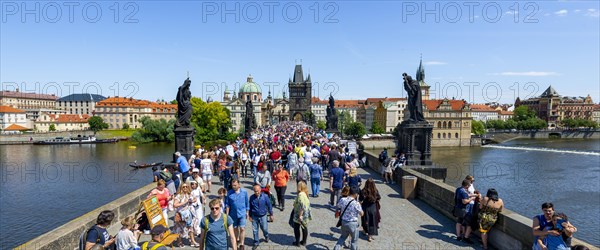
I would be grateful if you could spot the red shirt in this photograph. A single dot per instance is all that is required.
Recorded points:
(275, 155)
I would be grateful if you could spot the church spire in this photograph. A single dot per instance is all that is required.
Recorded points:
(420, 72)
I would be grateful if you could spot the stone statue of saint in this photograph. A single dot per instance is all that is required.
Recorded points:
(184, 105)
(331, 101)
(332, 117)
(415, 104)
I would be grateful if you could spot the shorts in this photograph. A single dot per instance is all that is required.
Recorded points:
(239, 222)
(465, 221)
(206, 176)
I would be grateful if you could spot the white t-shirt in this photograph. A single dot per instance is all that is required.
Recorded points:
(308, 157)
(206, 166)
(471, 190)
(126, 240)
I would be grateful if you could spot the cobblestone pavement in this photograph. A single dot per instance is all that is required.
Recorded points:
(405, 224)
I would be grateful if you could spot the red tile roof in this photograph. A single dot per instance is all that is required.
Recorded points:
(434, 104)
(17, 94)
(15, 127)
(482, 107)
(69, 118)
(9, 109)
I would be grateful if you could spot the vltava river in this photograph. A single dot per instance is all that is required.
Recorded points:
(529, 172)
(45, 186)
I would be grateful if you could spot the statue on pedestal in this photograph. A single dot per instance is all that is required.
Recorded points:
(415, 104)
(332, 118)
(249, 121)
(184, 105)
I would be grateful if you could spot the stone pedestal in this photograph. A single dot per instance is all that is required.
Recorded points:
(415, 142)
(184, 141)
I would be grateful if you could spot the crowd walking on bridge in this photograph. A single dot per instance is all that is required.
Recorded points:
(268, 160)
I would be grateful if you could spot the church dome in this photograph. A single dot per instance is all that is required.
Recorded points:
(250, 87)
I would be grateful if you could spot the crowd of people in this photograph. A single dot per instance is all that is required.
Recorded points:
(268, 161)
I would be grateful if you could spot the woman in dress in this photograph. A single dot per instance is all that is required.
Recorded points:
(301, 214)
(164, 196)
(369, 197)
(489, 208)
(184, 216)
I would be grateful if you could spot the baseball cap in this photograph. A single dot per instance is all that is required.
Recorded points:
(195, 170)
(158, 229)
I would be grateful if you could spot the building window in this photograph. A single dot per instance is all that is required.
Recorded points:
(444, 124)
(439, 125)
(439, 135)
(449, 124)
(456, 135)
(444, 135)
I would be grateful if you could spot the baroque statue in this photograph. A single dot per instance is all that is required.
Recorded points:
(184, 105)
(415, 104)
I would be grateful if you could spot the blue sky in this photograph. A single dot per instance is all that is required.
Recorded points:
(492, 51)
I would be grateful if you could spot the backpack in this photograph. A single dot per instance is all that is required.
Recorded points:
(166, 176)
(145, 246)
(83, 237)
(381, 157)
(224, 224)
(302, 175)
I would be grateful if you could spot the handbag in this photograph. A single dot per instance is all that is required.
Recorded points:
(291, 221)
(339, 223)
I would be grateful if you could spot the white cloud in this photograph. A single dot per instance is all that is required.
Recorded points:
(528, 73)
(592, 13)
(435, 63)
(576, 11)
(561, 12)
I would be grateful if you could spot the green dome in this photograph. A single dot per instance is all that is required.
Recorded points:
(250, 87)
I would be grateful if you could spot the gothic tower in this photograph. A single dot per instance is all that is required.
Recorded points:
(300, 94)
(421, 79)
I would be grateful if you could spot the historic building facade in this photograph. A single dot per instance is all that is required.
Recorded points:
(451, 120)
(12, 118)
(64, 122)
(116, 111)
(79, 103)
(33, 104)
(553, 108)
(300, 94)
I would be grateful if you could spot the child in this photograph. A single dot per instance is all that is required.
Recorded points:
(222, 195)
(554, 242)
(126, 239)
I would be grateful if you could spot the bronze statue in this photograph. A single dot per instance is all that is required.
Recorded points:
(415, 104)
(184, 105)
(249, 119)
(332, 118)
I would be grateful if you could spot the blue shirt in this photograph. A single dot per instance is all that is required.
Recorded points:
(216, 237)
(338, 177)
(461, 194)
(259, 206)
(184, 166)
(237, 203)
(316, 171)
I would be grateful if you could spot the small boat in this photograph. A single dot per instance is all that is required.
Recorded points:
(132, 147)
(75, 140)
(145, 165)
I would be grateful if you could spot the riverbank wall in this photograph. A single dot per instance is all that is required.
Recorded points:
(67, 235)
(511, 231)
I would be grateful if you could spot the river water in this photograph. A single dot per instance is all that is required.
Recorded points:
(45, 186)
(529, 172)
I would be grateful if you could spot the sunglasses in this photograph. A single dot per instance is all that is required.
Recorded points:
(215, 208)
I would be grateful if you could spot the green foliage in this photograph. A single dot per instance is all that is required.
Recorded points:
(154, 131)
(344, 120)
(355, 129)
(211, 120)
(52, 128)
(527, 124)
(578, 123)
(309, 118)
(523, 113)
(125, 126)
(174, 102)
(321, 124)
(377, 129)
(477, 127)
(96, 124)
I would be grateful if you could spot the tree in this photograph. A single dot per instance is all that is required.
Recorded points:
(344, 119)
(309, 118)
(155, 130)
(211, 120)
(477, 127)
(321, 124)
(52, 128)
(377, 129)
(355, 129)
(174, 102)
(96, 124)
(523, 113)
(125, 126)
